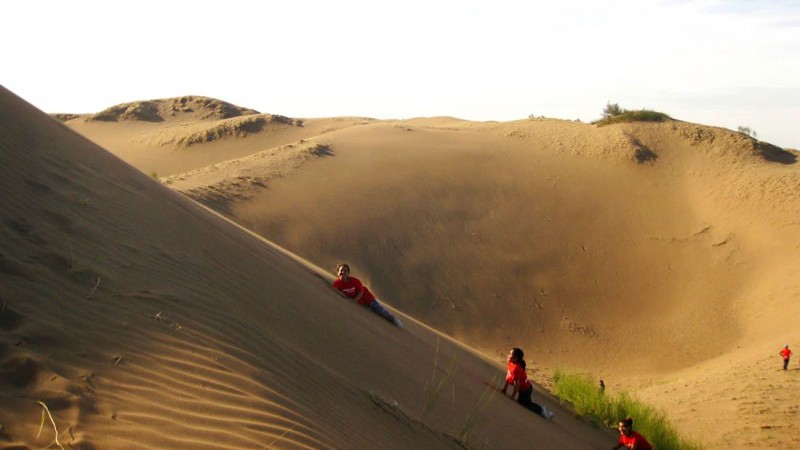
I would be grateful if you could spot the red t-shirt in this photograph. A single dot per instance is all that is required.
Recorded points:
(786, 353)
(517, 373)
(351, 288)
(635, 441)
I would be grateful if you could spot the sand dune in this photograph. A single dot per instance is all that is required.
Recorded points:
(142, 320)
(164, 137)
(659, 256)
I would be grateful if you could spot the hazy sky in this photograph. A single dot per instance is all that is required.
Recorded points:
(721, 63)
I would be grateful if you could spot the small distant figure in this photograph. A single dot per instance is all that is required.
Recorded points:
(517, 377)
(629, 438)
(351, 287)
(602, 387)
(786, 354)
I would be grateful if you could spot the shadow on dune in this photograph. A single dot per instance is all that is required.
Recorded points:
(773, 153)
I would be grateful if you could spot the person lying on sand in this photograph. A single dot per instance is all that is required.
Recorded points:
(629, 438)
(517, 377)
(351, 287)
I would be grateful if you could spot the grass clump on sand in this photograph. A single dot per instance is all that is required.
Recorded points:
(589, 401)
(612, 113)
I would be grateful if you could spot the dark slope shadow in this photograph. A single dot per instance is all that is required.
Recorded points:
(776, 154)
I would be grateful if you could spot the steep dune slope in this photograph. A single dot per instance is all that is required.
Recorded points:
(144, 321)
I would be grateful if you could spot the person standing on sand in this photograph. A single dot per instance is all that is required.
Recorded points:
(629, 438)
(351, 287)
(785, 353)
(517, 377)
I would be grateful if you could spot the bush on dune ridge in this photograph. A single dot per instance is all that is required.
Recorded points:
(588, 401)
(612, 113)
(642, 115)
(236, 127)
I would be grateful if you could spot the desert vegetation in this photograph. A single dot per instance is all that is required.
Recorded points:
(156, 110)
(748, 131)
(613, 113)
(602, 409)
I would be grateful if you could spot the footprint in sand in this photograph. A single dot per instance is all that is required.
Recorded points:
(9, 319)
(19, 371)
(24, 229)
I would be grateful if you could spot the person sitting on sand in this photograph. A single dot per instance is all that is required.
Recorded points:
(517, 377)
(629, 438)
(785, 353)
(351, 287)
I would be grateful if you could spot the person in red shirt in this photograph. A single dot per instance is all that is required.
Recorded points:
(523, 388)
(785, 353)
(351, 287)
(629, 438)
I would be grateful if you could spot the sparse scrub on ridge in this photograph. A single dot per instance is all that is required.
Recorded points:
(433, 388)
(611, 110)
(748, 131)
(144, 111)
(477, 414)
(588, 401)
(64, 117)
(393, 409)
(156, 110)
(239, 127)
(612, 113)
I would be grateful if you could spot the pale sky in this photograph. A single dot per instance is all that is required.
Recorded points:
(714, 62)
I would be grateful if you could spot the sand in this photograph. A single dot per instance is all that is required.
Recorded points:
(140, 319)
(657, 256)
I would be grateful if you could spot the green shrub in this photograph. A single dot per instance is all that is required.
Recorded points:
(588, 401)
(612, 113)
(612, 110)
(642, 115)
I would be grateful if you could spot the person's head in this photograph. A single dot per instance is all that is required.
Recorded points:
(343, 271)
(625, 426)
(517, 356)
(786, 346)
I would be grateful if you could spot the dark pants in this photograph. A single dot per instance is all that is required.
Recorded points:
(378, 309)
(785, 363)
(524, 399)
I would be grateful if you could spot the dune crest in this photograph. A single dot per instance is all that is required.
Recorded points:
(222, 184)
(195, 107)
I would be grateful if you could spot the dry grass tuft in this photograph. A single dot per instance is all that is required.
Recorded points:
(45, 409)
